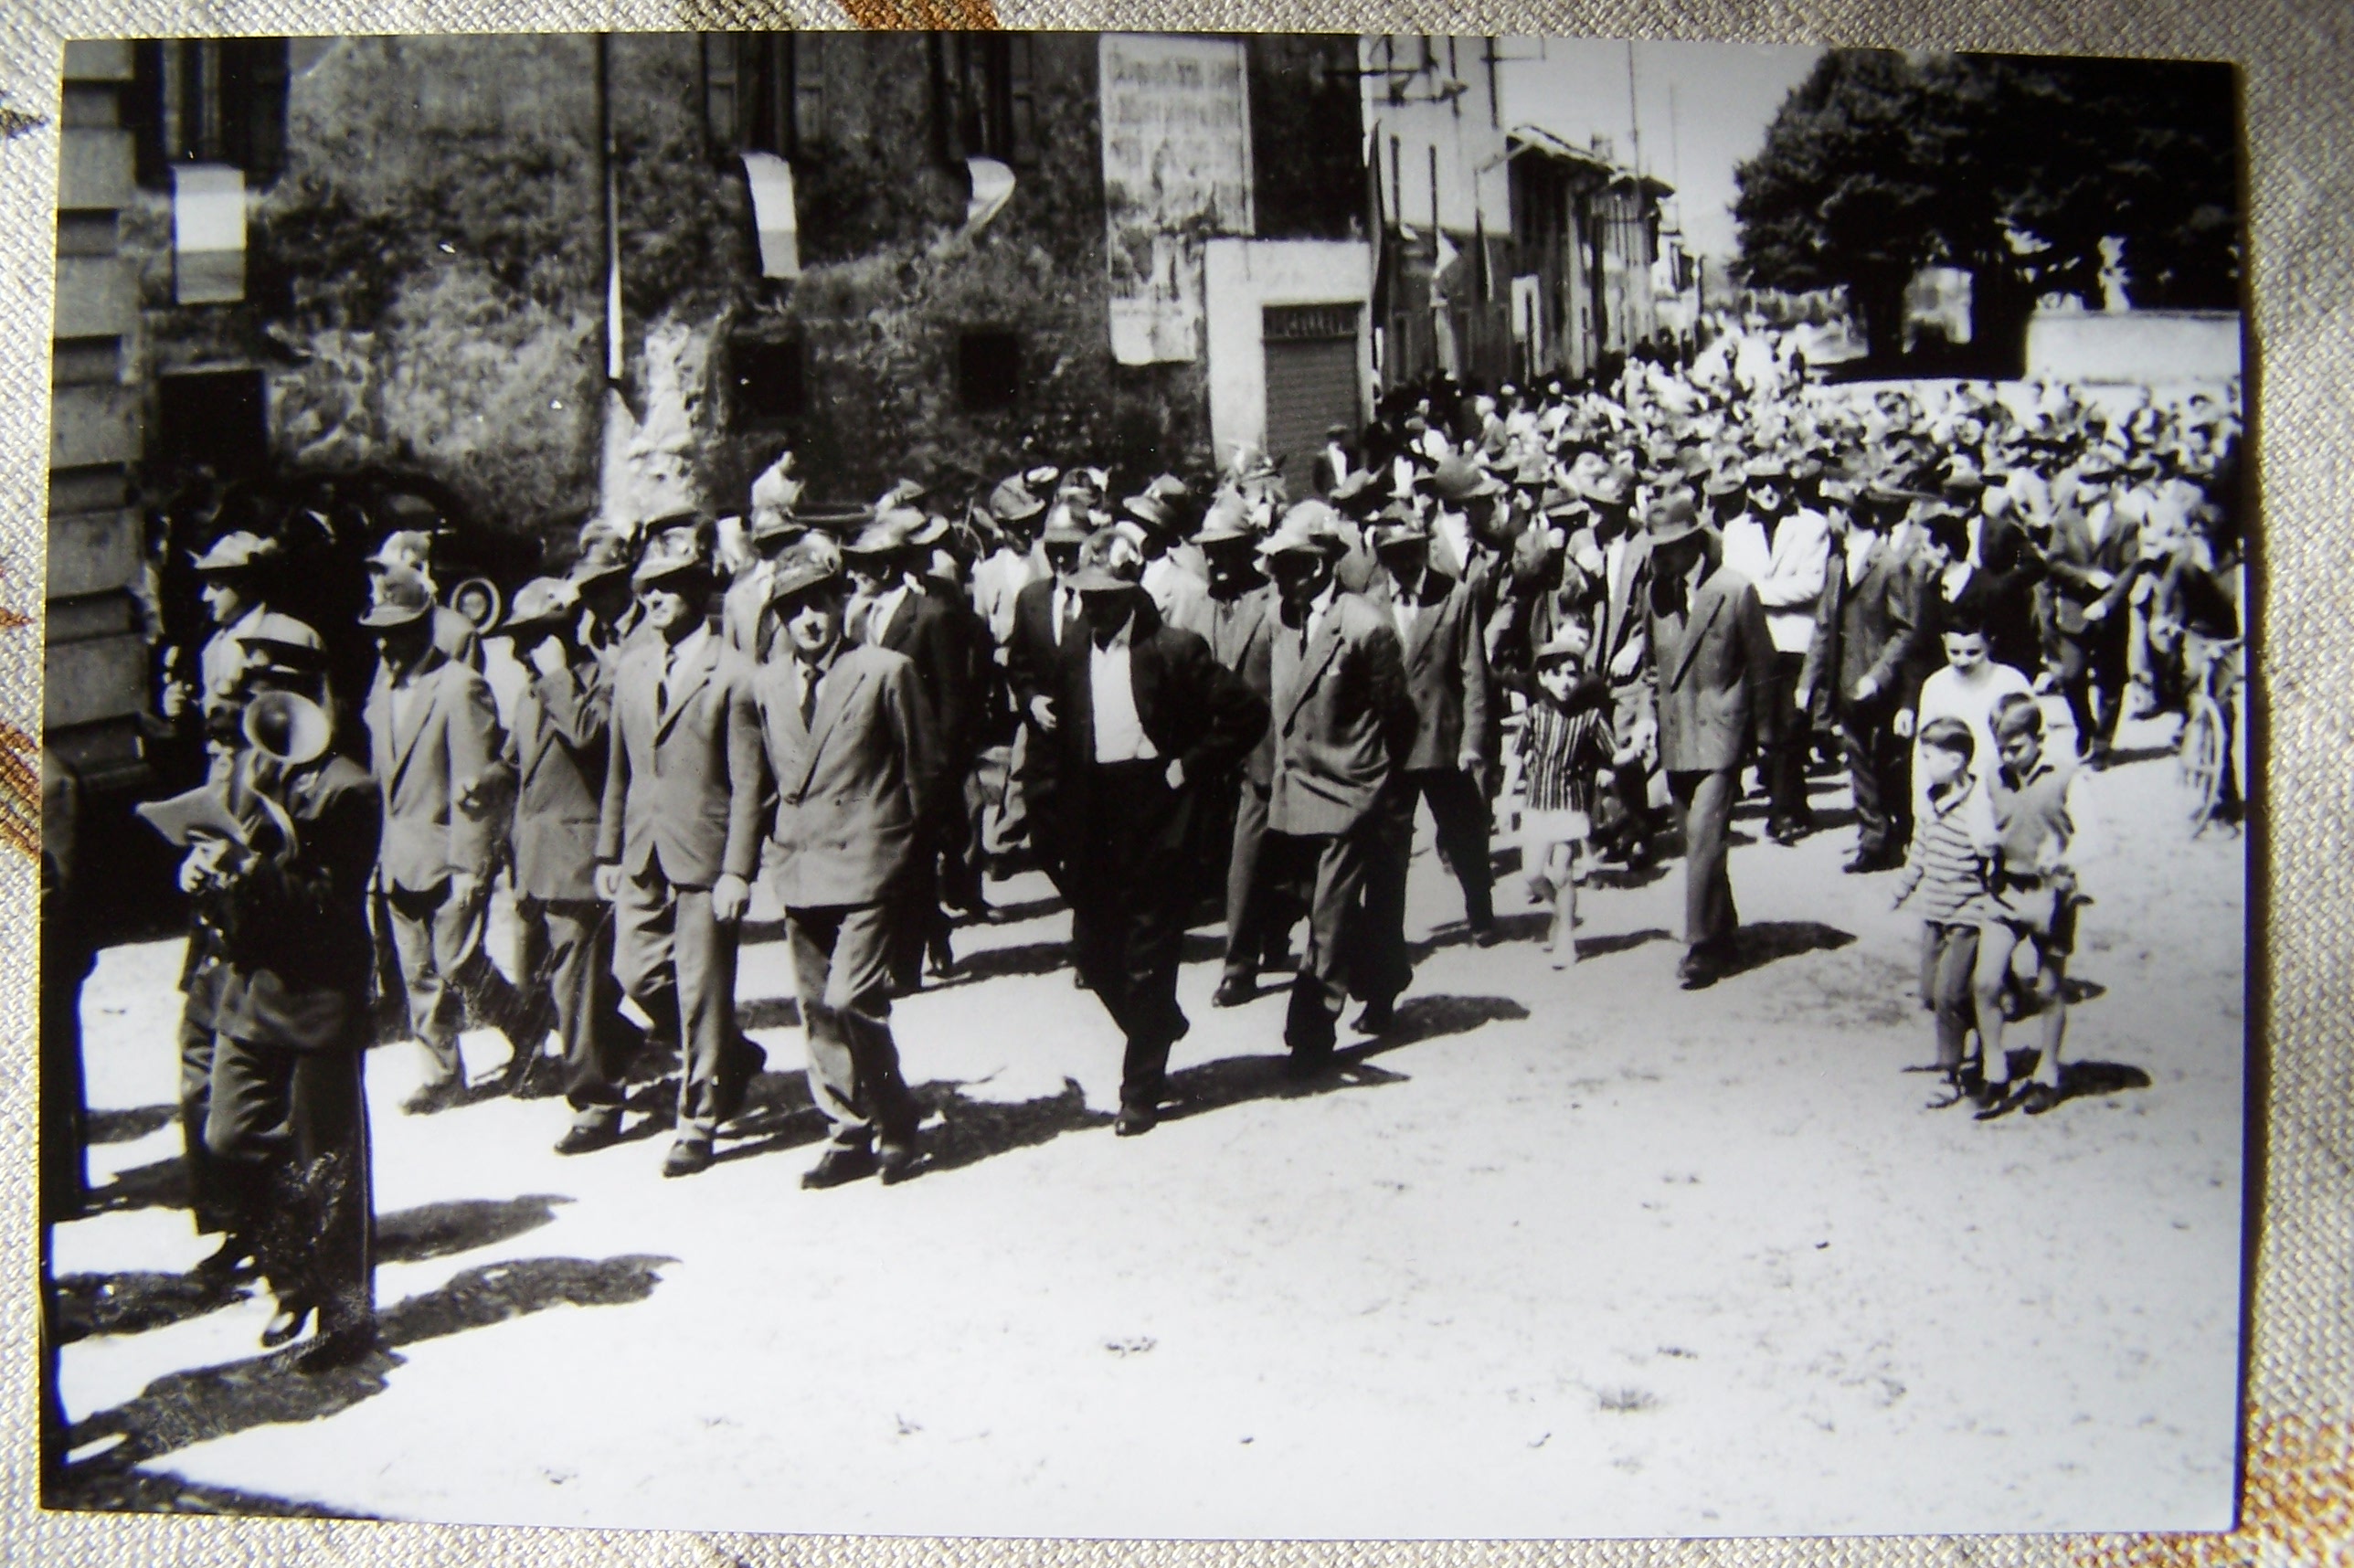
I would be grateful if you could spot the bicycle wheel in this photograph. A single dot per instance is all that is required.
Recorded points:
(2202, 758)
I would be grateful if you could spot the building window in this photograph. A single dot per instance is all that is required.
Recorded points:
(217, 418)
(989, 371)
(985, 97)
(764, 93)
(768, 378)
(209, 100)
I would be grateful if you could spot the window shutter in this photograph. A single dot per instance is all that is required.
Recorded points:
(722, 93)
(808, 88)
(1021, 100)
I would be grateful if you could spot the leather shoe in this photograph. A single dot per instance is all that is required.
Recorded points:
(1308, 1062)
(338, 1348)
(840, 1164)
(587, 1137)
(233, 1260)
(1234, 990)
(1999, 1100)
(687, 1157)
(1486, 935)
(433, 1098)
(1700, 970)
(895, 1162)
(1377, 1017)
(1133, 1121)
(287, 1325)
(2039, 1098)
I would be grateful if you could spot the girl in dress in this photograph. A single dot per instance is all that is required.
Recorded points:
(1564, 745)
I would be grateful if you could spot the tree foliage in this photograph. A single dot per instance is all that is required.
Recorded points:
(2019, 169)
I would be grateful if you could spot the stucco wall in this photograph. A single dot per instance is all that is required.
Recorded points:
(2133, 346)
(1242, 275)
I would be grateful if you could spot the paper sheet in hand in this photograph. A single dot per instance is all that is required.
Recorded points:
(201, 812)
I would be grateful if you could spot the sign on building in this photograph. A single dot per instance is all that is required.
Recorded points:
(1177, 169)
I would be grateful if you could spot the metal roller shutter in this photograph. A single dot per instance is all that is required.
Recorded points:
(1311, 384)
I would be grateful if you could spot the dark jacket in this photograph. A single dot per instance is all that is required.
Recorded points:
(1711, 677)
(1342, 719)
(299, 952)
(1446, 669)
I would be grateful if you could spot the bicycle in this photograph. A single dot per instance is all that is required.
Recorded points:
(2205, 753)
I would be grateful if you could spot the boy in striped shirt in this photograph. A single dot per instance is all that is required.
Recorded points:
(1953, 841)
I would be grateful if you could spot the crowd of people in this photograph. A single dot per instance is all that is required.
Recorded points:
(1578, 613)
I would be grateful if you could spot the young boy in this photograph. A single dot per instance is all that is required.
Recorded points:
(2044, 827)
(1967, 688)
(1953, 842)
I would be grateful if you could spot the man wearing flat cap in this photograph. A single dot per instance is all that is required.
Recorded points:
(1151, 724)
(837, 730)
(1712, 664)
(667, 821)
(564, 934)
(1343, 725)
(435, 748)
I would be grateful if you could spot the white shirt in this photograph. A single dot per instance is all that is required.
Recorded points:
(1120, 734)
(1787, 572)
(677, 656)
(1946, 694)
(1058, 609)
(881, 609)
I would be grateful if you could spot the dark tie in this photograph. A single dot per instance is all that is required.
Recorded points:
(809, 698)
(662, 686)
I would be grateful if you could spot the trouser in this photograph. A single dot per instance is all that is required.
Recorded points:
(567, 945)
(1627, 825)
(2093, 657)
(1460, 815)
(1704, 806)
(677, 961)
(446, 967)
(1260, 905)
(1782, 767)
(1130, 894)
(1949, 956)
(1346, 950)
(219, 1204)
(1879, 772)
(65, 962)
(962, 837)
(293, 1126)
(1005, 816)
(842, 976)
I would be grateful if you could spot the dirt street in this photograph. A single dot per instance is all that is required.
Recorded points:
(1568, 1254)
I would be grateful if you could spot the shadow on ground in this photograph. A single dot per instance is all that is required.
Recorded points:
(441, 1230)
(127, 1126)
(1770, 941)
(1233, 1080)
(185, 1408)
(158, 1184)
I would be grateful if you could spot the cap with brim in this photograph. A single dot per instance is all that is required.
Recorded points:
(542, 605)
(1404, 532)
(1309, 528)
(1011, 501)
(890, 532)
(1559, 503)
(1361, 491)
(1097, 577)
(284, 658)
(1227, 523)
(1769, 468)
(768, 525)
(1724, 481)
(1063, 526)
(1672, 517)
(1560, 646)
(401, 599)
(1153, 511)
(676, 554)
(235, 552)
(1458, 479)
(403, 547)
(799, 572)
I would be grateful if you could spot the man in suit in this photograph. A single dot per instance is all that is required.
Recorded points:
(1714, 664)
(773, 529)
(2094, 558)
(434, 747)
(1619, 652)
(1782, 551)
(838, 729)
(1242, 619)
(1147, 724)
(1344, 724)
(287, 1117)
(671, 805)
(411, 551)
(564, 934)
(1159, 520)
(890, 609)
(2006, 567)
(1447, 677)
(1046, 629)
(1867, 656)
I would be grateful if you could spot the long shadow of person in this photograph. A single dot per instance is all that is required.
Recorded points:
(189, 1407)
(972, 1131)
(127, 1126)
(1233, 1080)
(135, 1301)
(158, 1184)
(1768, 941)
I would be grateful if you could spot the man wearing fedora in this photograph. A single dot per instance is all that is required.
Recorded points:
(1783, 550)
(2093, 559)
(839, 731)
(770, 530)
(1712, 664)
(667, 818)
(564, 933)
(1150, 724)
(232, 581)
(1046, 629)
(435, 748)
(411, 550)
(1447, 678)
(1343, 725)
(1241, 638)
(1170, 574)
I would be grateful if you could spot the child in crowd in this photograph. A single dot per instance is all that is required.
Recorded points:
(1953, 848)
(1564, 745)
(2044, 826)
(1967, 688)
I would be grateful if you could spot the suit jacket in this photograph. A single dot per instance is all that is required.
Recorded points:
(557, 751)
(457, 636)
(848, 786)
(1239, 640)
(944, 641)
(1343, 721)
(1446, 669)
(299, 950)
(2074, 554)
(447, 740)
(669, 785)
(1879, 628)
(1625, 616)
(744, 619)
(1191, 708)
(1711, 677)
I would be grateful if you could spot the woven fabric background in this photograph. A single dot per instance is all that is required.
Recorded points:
(2298, 56)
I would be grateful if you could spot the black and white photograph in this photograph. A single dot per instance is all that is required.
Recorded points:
(1077, 784)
